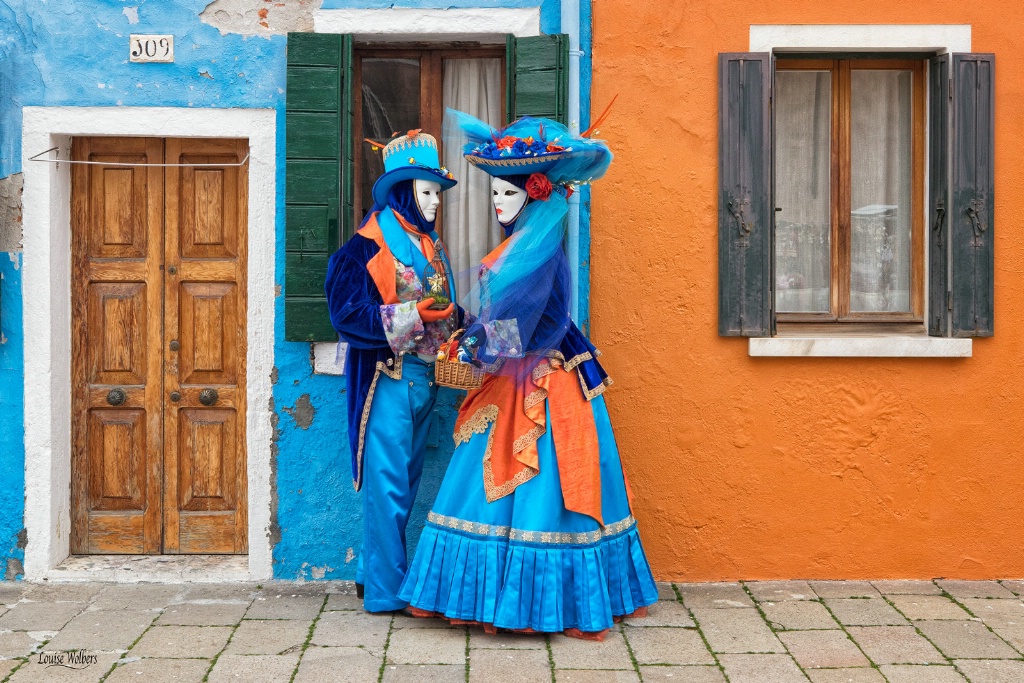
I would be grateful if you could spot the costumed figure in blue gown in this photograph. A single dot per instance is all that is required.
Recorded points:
(532, 529)
(376, 294)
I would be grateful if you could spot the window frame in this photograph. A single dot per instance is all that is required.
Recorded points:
(431, 56)
(841, 66)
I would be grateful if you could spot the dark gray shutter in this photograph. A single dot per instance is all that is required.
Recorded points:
(938, 201)
(537, 77)
(972, 205)
(318, 176)
(746, 210)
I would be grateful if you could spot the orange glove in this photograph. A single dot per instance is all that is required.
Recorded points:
(430, 316)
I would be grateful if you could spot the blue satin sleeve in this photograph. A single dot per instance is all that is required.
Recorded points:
(353, 300)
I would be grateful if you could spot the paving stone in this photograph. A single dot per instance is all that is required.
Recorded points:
(895, 645)
(160, 671)
(102, 630)
(194, 614)
(403, 620)
(7, 666)
(924, 607)
(905, 673)
(182, 641)
(40, 616)
(596, 676)
(12, 591)
(228, 592)
(269, 637)
(425, 673)
(1016, 587)
(285, 606)
(798, 615)
(714, 595)
(906, 587)
(761, 668)
(662, 614)
(506, 641)
(16, 643)
(339, 665)
(34, 671)
(668, 646)
(666, 591)
(778, 591)
(1001, 612)
(736, 631)
(966, 640)
(63, 592)
(865, 612)
(427, 646)
(353, 629)
(845, 676)
(308, 589)
(680, 674)
(137, 596)
(343, 601)
(521, 666)
(844, 589)
(974, 589)
(1012, 634)
(823, 649)
(256, 669)
(575, 653)
(981, 671)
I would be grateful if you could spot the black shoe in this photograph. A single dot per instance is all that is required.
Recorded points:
(359, 591)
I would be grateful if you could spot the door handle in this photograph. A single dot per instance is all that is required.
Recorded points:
(208, 397)
(116, 397)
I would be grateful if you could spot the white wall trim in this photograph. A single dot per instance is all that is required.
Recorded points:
(483, 24)
(883, 37)
(862, 347)
(47, 309)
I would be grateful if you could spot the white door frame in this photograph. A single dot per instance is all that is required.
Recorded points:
(46, 287)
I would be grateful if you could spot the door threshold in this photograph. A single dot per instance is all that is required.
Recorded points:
(152, 568)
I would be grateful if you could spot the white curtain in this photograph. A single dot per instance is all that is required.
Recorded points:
(470, 229)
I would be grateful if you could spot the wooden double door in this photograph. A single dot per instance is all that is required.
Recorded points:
(158, 299)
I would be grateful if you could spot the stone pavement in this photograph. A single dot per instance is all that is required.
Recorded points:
(755, 632)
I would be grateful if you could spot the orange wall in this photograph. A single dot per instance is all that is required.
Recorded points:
(762, 468)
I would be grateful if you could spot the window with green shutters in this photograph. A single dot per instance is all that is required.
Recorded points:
(320, 142)
(830, 231)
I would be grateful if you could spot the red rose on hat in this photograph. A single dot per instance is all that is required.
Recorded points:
(538, 186)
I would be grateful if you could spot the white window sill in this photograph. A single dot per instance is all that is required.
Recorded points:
(879, 346)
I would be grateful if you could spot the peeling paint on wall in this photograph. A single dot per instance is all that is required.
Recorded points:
(303, 412)
(260, 17)
(10, 212)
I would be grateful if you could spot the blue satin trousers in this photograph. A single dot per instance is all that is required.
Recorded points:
(393, 453)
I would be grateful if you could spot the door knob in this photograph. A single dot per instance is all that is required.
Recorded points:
(172, 270)
(208, 397)
(116, 397)
(175, 396)
(175, 345)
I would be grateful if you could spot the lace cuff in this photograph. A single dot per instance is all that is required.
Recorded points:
(402, 326)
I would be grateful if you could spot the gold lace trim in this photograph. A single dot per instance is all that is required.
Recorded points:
(364, 418)
(596, 391)
(520, 444)
(560, 537)
(477, 424)
(534, 398)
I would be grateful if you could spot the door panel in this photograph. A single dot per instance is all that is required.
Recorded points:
(158, 304)
(116, 299)
(204, 456)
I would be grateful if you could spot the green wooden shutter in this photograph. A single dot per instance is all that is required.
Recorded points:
(938, 201)
(746, 207)
(318, 176)
(972, 205)
(537, 77)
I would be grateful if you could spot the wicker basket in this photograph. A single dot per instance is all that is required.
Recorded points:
(450, 372)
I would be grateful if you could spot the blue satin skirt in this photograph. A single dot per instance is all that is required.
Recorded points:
(524, 561)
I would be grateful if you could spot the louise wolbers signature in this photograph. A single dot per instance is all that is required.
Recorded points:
(69, 659)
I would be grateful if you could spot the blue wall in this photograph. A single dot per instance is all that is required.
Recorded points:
(75, 53)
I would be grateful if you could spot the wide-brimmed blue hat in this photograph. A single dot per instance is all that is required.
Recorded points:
(410, 157)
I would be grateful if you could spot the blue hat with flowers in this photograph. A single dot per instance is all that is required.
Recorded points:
(410, 157)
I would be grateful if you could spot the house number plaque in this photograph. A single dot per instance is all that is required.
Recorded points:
(151, 48)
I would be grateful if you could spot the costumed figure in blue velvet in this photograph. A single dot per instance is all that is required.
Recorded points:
(532, 529)
(380, 304)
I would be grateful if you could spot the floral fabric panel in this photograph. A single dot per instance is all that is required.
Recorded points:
(405, 331)
(502, 339)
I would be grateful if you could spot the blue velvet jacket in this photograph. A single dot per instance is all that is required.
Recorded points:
(354, 301)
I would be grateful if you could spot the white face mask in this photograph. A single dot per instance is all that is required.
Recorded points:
(508, 199)
(428, 196)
